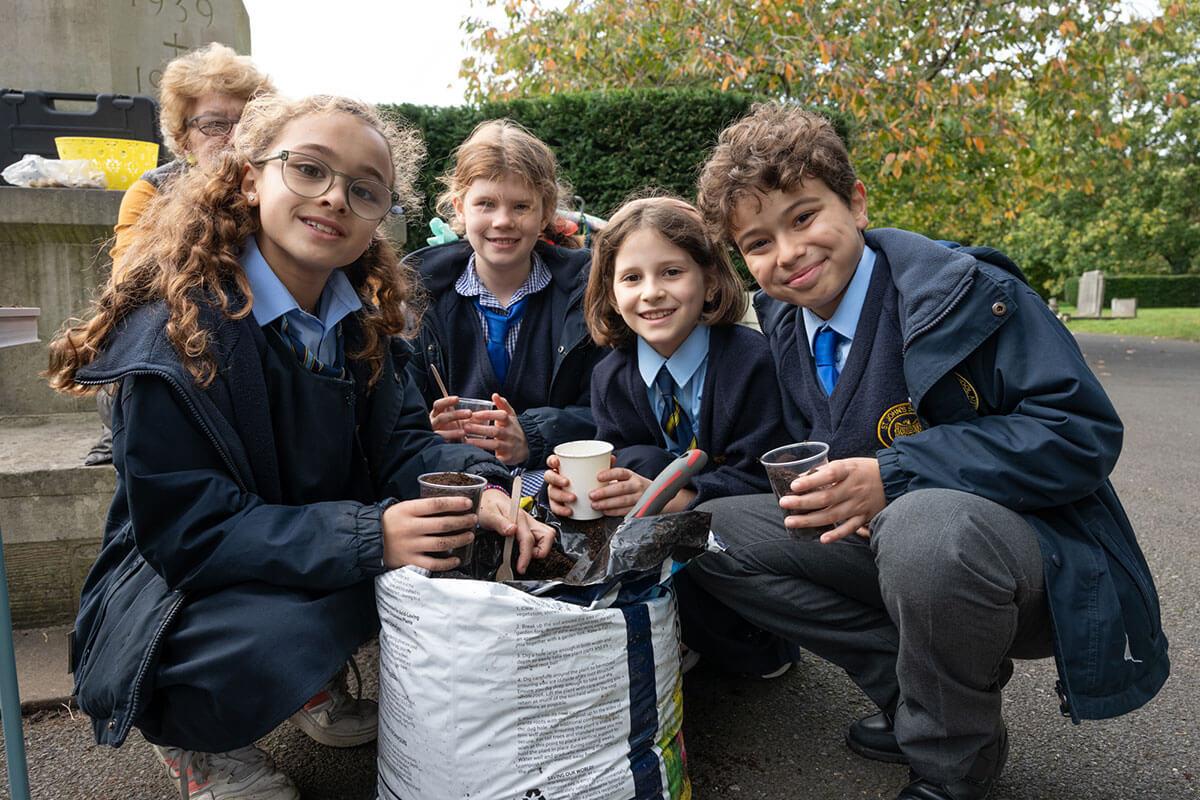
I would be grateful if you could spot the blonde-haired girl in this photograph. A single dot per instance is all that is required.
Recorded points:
(505, 320)
(266, 437)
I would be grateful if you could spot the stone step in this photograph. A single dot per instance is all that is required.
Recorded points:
(52, 512)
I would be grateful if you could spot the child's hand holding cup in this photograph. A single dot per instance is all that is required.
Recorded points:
(574, 468)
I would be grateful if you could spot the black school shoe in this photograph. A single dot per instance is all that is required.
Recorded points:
(977, 784)
(874, 737)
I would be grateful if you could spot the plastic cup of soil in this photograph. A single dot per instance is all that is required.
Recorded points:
(785, 464)
(579, 462)
(474, 404)
(454, 484)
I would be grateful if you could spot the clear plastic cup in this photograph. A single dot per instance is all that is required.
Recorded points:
(474, 404)
(454, 484)
(785, 464)
(580, 462)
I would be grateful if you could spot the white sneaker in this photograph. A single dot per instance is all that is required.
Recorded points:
(335, 719)
(779, 671)
(245, 774)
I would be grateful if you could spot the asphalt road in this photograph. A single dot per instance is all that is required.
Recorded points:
(784, 739)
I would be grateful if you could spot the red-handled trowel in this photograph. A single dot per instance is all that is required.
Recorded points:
(668, 483)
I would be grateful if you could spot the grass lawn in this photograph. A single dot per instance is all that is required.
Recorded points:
(1167, 323)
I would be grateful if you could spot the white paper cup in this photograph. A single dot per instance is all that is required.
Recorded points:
(580, 462)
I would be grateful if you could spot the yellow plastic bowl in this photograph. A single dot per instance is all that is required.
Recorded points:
(121, 160)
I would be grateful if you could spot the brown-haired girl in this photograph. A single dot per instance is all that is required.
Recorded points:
(265, 439)
(684, 374)
(506, 317)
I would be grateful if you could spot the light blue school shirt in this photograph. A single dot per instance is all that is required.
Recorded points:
(688, 365)
(845, 318)
(272, 300)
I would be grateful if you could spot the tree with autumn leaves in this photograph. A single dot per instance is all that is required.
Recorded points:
(1065, 133)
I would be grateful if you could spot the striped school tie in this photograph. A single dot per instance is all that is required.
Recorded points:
(306, 356)
(825, 345)
(675, 422)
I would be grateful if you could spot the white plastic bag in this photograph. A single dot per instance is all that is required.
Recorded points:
(36, 172)
(490, 693)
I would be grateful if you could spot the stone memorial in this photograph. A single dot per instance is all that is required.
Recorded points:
(1124, 308)
(1091, 295)
(119, 46)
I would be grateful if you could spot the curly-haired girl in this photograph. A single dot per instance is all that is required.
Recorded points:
(263, 431)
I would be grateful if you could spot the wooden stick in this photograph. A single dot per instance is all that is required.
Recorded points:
(505, 572)
(437, 376)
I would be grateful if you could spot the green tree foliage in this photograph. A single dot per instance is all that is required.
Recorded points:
(608, 143)
(1065, 132)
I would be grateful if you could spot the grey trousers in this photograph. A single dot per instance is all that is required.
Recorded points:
(921, 616)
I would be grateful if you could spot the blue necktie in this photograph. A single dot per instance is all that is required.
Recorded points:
(498, 325)
(825, 345)
(675, 422)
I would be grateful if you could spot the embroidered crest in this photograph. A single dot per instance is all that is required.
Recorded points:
(899, 420)
(969, 391)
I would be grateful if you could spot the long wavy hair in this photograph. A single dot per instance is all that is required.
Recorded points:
(187, 253)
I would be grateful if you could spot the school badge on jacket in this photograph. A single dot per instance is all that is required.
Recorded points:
(902, 420)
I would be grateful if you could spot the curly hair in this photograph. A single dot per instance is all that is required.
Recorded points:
(496, 149)
(679, 223)
(190, 253)
(775, 146)
(212, 68)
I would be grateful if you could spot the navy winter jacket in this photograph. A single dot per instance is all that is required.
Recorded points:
(1032, 430)
(740, 417)
(212, 517)
(553, 403)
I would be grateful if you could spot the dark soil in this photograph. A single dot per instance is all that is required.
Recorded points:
(552, 567)
(597, 531)
(450, 479)
(781, 479)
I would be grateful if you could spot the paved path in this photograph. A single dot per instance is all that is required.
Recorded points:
(783, 739)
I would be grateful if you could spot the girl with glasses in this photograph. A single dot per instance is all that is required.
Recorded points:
(267, 440)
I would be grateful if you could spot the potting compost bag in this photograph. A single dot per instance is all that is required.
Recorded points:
(603, 551)
(488, 692)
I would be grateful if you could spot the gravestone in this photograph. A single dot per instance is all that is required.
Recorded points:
(118, 46)
(1091, 295)
(1124, 308)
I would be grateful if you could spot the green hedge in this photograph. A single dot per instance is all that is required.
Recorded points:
(608, 144)
(1151, 291)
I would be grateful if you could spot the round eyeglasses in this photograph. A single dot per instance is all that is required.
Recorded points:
(212, 126)
(309, 176)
